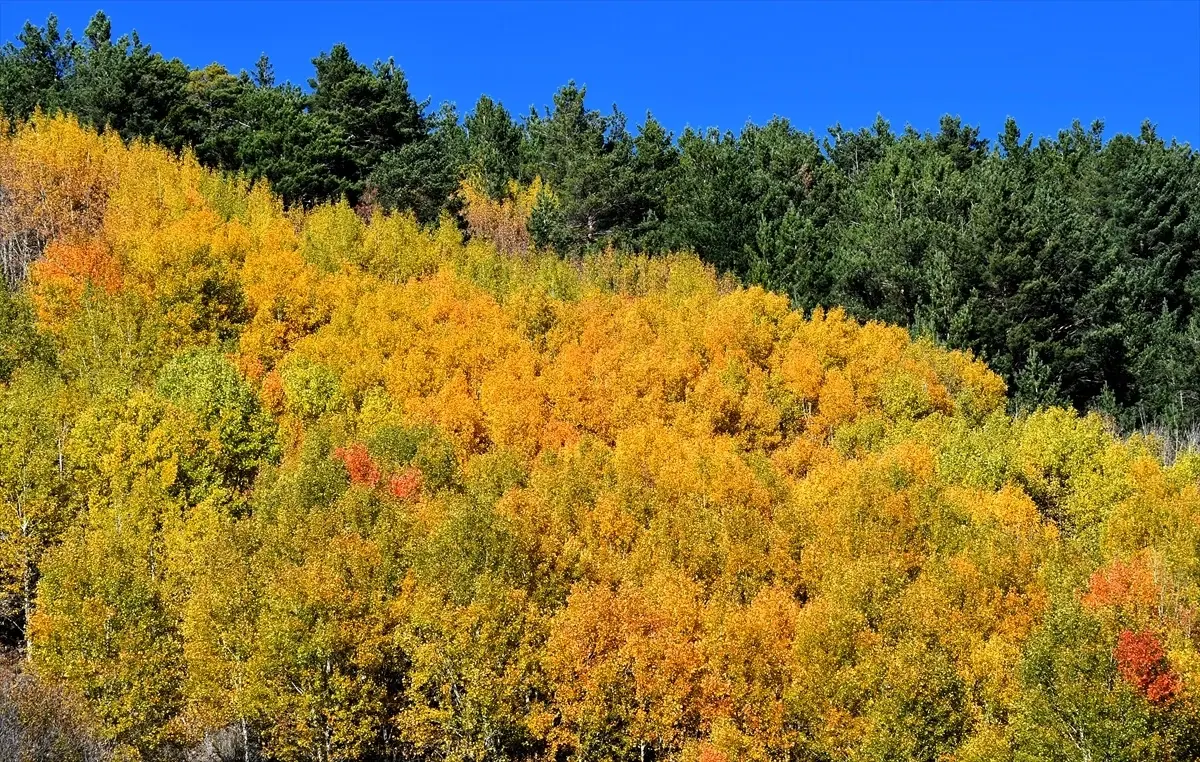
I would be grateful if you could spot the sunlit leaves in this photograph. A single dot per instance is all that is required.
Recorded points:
(350, 488)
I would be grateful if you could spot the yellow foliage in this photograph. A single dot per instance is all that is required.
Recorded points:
(57, 177)
(616, 507)
(503, 222)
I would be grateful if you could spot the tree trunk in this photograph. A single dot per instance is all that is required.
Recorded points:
(27, 585)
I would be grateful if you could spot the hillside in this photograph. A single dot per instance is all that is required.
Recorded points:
(1070, 263)
(337, 488)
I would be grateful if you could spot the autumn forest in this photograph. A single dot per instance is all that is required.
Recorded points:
(334, 428)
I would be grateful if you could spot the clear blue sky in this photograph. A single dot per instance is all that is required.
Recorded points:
(721, 64)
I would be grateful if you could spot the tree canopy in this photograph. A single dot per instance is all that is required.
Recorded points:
(1071, 264)
(328, 484)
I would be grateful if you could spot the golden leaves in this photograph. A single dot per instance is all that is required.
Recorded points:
(504, 222)
(611, 506)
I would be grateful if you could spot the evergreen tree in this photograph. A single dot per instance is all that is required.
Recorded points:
(1080, 250)
(424, 175)
(493, 146)
(34, 74)
(369, 109)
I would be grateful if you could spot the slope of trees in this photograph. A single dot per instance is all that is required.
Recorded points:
(292, 484)
(1071, 264)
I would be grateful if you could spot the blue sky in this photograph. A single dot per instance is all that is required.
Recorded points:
(721, 64)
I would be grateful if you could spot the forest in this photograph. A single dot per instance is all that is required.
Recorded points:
(324, 438)
(1070, 265)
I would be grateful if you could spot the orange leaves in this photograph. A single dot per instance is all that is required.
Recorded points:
(840, 370)
(273, 395)
(73, 267)
(1129, 588)
(66, 272)
(674, 668)
(744, 324)
(532, 371)
(753, 668)
(358, 464)
(802, 372)
(407, 484)
(836, 403)
(504, 222)
(455, 409)
(1122, 584)
(515, 405)
(617, 504)
(55, 180)
(639, 647)
(134, 219)
(364, 470)
(56, 177)
(1143, 664)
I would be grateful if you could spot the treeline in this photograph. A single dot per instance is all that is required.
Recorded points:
(295, 486)
(1071, 264)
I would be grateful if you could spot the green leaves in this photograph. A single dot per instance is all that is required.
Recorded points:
(205, 384)
(1069, 263)
(311, 389)
(20, 342)
(423, 175)
(1075, 707)
(353, 488)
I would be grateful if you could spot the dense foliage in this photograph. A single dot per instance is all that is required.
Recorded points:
(1071, 265)
(303, 486)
